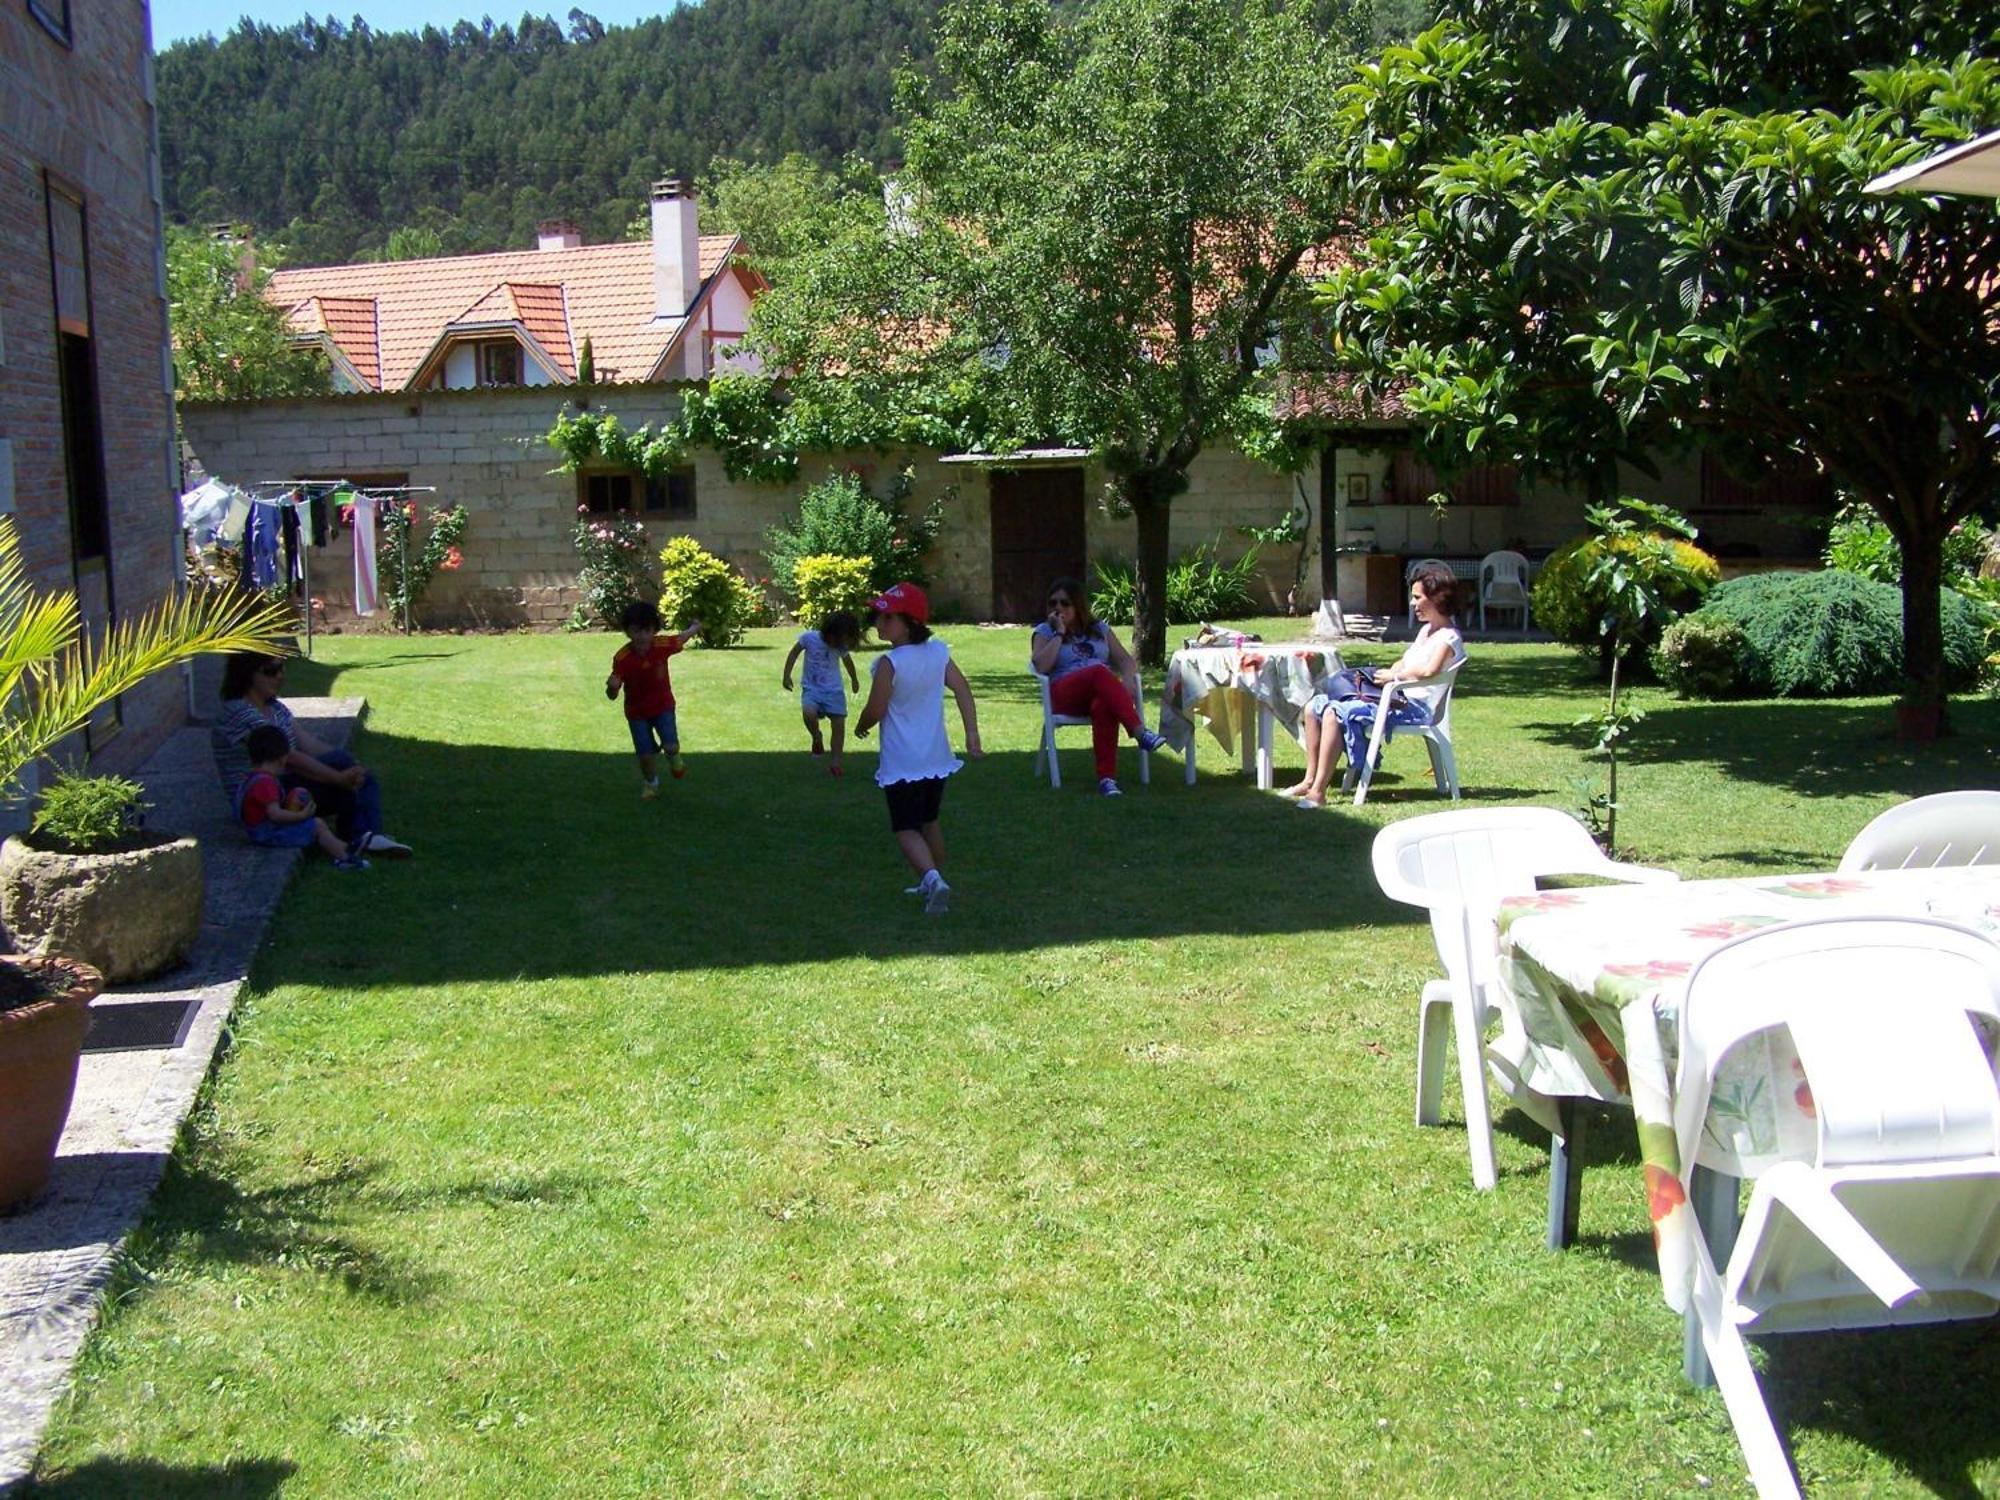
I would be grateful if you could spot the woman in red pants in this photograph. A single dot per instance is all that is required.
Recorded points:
(1088, 668)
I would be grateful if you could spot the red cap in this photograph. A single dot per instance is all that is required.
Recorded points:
(903, 599)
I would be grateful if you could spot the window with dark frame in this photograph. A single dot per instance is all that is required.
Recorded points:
(499, 362)
(1413, 482)
(54, 16)
(671, 498)
(76, 372)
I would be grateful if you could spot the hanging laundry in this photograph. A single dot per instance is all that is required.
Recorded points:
(262, 541)
(365, 598)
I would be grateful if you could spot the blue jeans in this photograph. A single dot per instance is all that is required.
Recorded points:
(649, 736)
(349, 812)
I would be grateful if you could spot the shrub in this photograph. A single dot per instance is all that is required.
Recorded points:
(1834, 634)
(826, 583)
(695, 584)
(88, 814)
(1701, 655)
(1200, 586)
(838, 517)
(1567, 609)
(405, 577)
(1859, 542)
(616, 568)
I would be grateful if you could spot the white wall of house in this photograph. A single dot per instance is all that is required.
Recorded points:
(726, 316)
(461, 368)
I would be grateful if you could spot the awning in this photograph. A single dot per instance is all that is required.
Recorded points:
(1971, 168)
(1020, 458)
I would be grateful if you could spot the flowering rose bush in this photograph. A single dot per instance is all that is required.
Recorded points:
(616, 567)
(405, 574)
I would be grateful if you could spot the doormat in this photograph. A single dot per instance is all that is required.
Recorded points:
(139, 1025)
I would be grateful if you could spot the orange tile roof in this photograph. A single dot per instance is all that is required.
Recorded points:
(350, 323)
(600, 292)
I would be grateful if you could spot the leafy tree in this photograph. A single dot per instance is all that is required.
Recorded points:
(1098, 229)
(785, 208)
(1613, 227)
(229, 342)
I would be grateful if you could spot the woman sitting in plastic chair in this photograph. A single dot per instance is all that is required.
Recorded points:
(1340, 714)
(1087, 665)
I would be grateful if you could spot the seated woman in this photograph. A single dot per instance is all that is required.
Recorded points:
(1087, 666)
(344, 790)
(1340, 714)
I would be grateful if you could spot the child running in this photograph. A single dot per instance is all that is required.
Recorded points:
(907, 699)
(278, 820)
(641, 669)
(826, 651)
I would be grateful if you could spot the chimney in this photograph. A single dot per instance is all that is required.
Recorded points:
(676, 248)
(557, 234)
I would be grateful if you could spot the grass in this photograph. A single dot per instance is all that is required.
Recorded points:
(610, 1149)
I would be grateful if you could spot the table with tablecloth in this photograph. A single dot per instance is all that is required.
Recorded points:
(1239, 692)
(1598, 976)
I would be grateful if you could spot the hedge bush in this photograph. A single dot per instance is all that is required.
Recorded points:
(1833, 634)
(826, 582)
(1563, 607)
(838, 517)
(696, 584)
(1701, 656)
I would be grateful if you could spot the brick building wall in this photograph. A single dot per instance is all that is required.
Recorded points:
(76, 114)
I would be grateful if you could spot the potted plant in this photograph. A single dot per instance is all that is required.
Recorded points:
(52, 679)
(89, 882)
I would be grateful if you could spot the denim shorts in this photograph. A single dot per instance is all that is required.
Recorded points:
(649, 736)
(284, 835)
(819, 701)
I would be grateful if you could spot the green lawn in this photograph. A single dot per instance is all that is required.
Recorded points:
(620, 1149)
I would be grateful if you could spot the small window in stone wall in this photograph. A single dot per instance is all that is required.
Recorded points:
(671, 498)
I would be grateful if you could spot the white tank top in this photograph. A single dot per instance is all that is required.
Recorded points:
(914, 747)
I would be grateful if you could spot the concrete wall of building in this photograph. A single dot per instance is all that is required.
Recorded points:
(80, 112)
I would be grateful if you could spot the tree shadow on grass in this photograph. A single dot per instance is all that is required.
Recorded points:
(147, 1479)
(202, 1213)
(1817, 749)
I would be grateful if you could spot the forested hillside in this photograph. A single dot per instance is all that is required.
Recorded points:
(332, 137)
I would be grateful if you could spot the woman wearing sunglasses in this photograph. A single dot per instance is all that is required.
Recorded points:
(1091, 675)
(344, 790)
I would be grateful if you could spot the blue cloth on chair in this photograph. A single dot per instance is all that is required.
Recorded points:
(1357, 723)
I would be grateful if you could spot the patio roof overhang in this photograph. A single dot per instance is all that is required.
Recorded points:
(1973, 167)
(1020, 458)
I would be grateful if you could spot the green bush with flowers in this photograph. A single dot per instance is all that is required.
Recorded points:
(1569, 602)
(695, 584)
(615, 568)
(826, 581)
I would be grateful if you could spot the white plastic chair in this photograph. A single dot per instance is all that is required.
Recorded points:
(1897, 1219)
(1503, 586)
(1045, 756)
(1410, 572)
(1459, 866)
(1436, 735)
(1951, 828)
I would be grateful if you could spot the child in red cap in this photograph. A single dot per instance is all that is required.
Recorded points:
(907, 700)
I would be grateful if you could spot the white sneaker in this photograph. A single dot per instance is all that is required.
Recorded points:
(937, 895)
(388, 848)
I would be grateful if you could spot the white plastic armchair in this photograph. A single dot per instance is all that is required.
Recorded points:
(1436, 735)
(1951, 828)
(1459, 866)
(1045, 753)
(1897, 1219)
(1503, 586)
(1415, 566)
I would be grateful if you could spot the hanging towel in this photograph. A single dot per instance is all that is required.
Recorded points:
(364, 554)
(261, 541)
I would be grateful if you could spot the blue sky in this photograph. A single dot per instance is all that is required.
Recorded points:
(175, 20)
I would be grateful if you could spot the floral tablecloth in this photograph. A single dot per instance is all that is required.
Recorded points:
(1598, 976)
(1215, 683)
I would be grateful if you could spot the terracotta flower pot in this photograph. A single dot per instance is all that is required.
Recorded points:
(40, 1044)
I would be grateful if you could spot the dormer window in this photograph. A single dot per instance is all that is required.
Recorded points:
(499, 362)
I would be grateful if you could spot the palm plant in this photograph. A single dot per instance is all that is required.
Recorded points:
(53, 678)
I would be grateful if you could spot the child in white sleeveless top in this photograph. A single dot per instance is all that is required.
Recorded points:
(907, 699)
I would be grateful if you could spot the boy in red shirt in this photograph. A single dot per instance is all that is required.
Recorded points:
(280, 820)
(640, 668)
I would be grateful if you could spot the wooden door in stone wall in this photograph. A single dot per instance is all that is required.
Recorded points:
(1038, 536)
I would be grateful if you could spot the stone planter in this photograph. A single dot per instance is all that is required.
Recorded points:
(129, 913)
(40, 1044)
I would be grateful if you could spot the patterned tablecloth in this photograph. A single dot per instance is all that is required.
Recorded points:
(1224, 685)
(1598, 976)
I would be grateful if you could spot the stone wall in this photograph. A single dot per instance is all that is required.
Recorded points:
(79, 113)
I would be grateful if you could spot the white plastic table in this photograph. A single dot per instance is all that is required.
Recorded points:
(1241, 693)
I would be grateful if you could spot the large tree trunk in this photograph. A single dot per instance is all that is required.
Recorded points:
(1150, 509)
(1921, 718)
